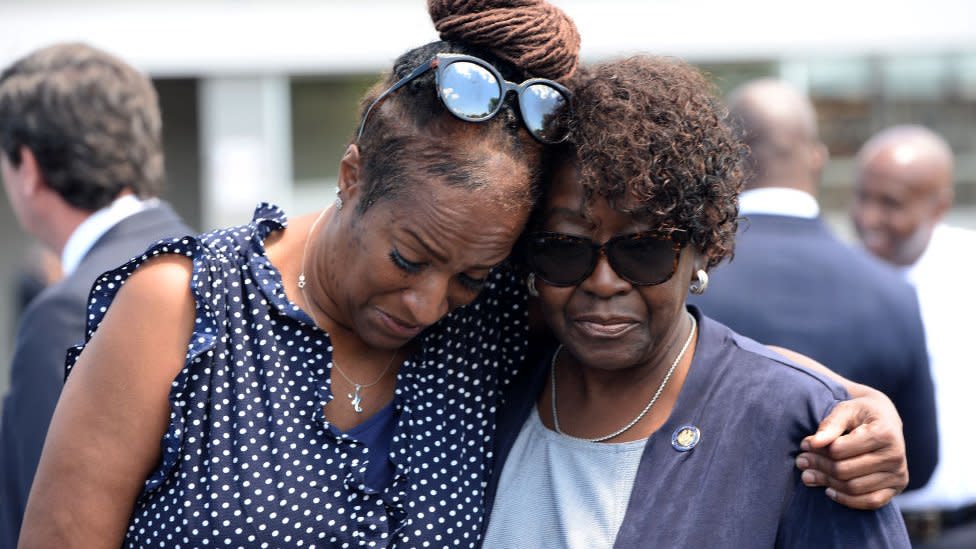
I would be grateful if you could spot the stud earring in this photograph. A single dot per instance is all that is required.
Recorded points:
(530, 284)
(700, 284)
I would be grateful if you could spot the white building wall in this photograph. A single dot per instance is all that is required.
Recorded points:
(244, 51)
(245, 146)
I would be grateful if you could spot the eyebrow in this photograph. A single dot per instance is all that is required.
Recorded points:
(437, 256)
(562, 211)
(425, 246)
(576, 216)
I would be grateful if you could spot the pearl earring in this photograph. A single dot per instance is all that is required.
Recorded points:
(700, 284)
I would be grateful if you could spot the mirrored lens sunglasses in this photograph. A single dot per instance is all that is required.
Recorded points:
(642, 259)
(473, 90)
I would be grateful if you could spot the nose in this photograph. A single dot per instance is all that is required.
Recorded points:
(604, 281)
(427, 300)
(867, 214)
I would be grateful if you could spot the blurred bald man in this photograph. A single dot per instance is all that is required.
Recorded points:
(904, 190)
(793, 283)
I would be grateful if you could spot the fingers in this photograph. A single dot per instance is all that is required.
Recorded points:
(862, 440)
(867, 492)
(867, 502)
(876, 438)
(858, 486)
(841, 419)
(857, 453)
(849, 469)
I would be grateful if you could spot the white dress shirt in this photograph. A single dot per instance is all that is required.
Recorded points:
(778, 201)
(91, 229)
(943, 278)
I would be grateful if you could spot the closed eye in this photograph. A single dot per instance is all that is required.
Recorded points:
(471, 283)
(404, 264)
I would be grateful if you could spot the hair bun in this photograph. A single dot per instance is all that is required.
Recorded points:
(532, 34)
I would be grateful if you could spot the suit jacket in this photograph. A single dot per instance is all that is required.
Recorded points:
(54, 321)
(794, 284)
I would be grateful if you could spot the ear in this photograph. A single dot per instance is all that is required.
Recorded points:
(818, 156)
(350, 173)
(943, 202)
(29, 175)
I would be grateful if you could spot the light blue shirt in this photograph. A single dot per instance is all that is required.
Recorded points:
(564, 492)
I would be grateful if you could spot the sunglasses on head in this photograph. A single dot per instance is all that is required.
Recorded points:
(642, 259)
(474, 91)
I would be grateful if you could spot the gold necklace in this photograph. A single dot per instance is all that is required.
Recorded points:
(356, 397)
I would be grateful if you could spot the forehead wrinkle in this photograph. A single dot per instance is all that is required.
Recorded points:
(441, 217)
(423, 244)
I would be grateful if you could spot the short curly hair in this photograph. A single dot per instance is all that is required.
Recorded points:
(652, 137)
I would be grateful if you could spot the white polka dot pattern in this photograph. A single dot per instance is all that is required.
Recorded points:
(249, 459)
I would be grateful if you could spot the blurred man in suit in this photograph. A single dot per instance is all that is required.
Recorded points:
(82, 163)
(904, 189)
(794, 284)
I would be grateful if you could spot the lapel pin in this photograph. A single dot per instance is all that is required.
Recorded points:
(685, 438)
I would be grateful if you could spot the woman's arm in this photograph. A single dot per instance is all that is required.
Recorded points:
(104, 439)
(858, 451)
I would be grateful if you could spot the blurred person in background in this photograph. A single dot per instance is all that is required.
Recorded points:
(40, 269)
(794, 284)
(82, 164)
(904, 188)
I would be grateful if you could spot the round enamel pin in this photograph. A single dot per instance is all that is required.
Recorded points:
(685, 438)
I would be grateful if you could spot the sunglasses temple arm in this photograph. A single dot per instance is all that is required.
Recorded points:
(400, 83)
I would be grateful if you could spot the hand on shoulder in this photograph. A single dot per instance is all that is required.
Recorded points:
(858, 451)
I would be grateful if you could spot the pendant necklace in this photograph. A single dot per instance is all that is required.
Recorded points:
(355, 397)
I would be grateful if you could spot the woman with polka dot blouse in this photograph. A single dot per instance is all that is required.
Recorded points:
(344, 370)
(318, 404)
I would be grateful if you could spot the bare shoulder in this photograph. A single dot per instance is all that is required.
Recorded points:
(163, 280)
(151, 317)
(158, 289)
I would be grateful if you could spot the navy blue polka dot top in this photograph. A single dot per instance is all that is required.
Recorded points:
(249, 459)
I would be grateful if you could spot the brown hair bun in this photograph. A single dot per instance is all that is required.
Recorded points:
(531, 34)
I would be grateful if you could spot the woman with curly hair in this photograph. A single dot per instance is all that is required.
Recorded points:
(650, 425)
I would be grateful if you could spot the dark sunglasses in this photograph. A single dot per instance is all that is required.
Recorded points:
(473, 90)
(643, 259)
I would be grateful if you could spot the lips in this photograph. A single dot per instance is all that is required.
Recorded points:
(874, 240)
(398, 328)
(604, 327)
